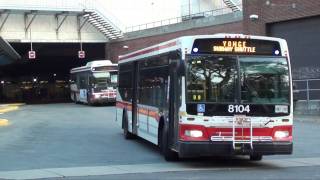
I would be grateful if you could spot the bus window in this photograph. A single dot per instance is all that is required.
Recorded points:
(125, 81)
(153, 83)
(211, 78)
(83, 82)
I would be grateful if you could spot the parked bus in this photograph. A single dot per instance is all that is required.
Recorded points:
(208, 95)
(94, 83)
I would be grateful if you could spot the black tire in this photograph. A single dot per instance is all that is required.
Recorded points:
(89, 101)
(126, 133)
(255, 157)
(168, 154)
(75, 98)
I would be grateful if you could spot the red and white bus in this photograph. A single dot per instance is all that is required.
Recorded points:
(94, 83)
(208, 95)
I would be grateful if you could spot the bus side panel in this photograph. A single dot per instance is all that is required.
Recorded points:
(153, 125)
(119, 113)
(121, 107)
(142, 118)
(148, 123)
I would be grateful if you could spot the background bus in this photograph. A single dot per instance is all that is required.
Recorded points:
(223, 94)
(94, 83)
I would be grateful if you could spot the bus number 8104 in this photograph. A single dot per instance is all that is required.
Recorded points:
(238, 108)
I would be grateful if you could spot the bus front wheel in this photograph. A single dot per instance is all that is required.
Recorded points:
(255, 157)
(168, 154)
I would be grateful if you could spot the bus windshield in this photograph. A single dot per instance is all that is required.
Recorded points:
(104, 79)
(215, 79)
(264, 80)
(211, 78)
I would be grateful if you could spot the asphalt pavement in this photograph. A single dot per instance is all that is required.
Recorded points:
(75, 141)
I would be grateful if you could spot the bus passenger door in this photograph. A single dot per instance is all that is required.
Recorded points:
(173, 104)
(135, 98)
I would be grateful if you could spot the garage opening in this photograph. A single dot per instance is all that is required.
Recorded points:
(46, 78)
(303, 37)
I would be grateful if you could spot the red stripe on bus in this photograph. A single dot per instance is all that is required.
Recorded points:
(148, 112)
(144, 111)
(227, 132)
(124, 105)
(148, 51)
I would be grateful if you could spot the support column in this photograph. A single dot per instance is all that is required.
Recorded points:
(28, 21)
(80, 25)
(60, 22)
(5, 18)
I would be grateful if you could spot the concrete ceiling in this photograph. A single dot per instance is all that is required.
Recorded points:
(7, 53)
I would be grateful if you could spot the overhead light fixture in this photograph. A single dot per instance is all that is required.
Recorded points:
(254, 17)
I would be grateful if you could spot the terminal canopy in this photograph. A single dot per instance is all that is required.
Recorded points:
(7, 53)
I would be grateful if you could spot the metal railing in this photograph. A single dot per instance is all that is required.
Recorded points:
(175, 20)
(306, 89)
(62, 5)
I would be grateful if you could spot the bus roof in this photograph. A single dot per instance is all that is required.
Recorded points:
(93, 64)
(177, 43)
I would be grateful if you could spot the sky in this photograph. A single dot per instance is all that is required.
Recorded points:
(135, 12)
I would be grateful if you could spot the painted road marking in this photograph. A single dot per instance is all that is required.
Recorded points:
(4, 108)
(8, 109)
(149, 168)
(4, 122)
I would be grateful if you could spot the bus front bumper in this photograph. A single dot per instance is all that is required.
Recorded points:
(197, 149)
(102, 100)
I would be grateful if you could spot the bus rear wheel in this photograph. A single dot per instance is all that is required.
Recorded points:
(126, 133)
(255, 157)
(89, 100)
(74, 98)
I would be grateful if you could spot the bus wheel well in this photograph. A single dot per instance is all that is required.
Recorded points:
(123, 118)
(125, 126)
(161, 125)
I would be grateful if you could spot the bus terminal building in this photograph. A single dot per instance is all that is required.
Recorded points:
(297, 21)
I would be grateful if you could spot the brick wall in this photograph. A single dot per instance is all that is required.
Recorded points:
(114, 49)
(276, 11)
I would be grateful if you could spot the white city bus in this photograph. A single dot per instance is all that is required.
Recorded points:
(207, 95)
(94, 83)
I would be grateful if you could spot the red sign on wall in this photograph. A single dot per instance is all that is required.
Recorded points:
(32, 54)
(81, 54)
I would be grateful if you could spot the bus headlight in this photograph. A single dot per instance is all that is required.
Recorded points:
(281, 134)
(193, 133)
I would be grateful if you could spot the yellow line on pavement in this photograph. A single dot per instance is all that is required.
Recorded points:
(8, 109)
(4, 122)
(15, 104)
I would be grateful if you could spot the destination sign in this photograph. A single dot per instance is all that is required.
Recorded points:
(236, 46)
